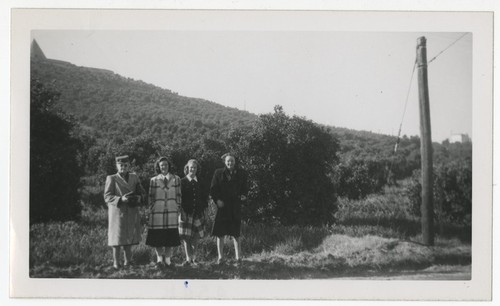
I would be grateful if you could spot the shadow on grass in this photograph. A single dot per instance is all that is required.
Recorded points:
(408, 228)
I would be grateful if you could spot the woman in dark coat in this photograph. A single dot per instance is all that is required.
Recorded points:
(194, 204)
(228, 190)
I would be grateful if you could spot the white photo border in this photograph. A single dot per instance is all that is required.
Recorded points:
(480, 24)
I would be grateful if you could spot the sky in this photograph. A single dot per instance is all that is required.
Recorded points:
(356, 80)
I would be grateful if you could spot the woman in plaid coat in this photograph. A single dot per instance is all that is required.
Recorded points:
(164, 209)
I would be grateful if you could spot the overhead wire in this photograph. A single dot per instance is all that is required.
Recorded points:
(406, 104)
(409, 87)
(449, 46)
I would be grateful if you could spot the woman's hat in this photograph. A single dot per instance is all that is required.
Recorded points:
(122, 159)
(228, 154)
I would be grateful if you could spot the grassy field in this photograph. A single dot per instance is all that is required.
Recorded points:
(374, 236)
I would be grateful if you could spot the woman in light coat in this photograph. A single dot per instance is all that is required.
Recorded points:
(123, 194)
(164, 209)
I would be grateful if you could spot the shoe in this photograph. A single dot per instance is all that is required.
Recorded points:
(169, 264)
(238, 262)
(194, 263)
(159, 265)
(186, 263)
(128, 265)
(220, 261)
(116, 266)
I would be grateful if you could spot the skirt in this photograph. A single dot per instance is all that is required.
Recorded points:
(226, 228)
(192, 227)
(163, 237)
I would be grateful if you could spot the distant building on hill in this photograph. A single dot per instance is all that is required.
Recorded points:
(461, 138)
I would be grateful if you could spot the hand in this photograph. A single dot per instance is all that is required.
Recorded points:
(243, 197)
(183, 215)
(220, 203)
(124, 199)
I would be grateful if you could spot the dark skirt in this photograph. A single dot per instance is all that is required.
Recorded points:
(163, 237)
(226, 228)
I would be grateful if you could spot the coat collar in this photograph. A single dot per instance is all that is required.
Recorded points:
(120, 180)
(191, 179)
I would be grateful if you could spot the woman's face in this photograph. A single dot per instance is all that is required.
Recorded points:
(122, 167)
(229, 161)
(192, 168)
(164, 166)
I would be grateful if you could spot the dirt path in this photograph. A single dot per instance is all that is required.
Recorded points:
(431, 273)
(252, 270)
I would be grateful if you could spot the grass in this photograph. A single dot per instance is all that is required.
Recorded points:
(374, 235)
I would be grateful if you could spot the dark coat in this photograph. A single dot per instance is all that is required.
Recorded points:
(229, 189)
(194, 196)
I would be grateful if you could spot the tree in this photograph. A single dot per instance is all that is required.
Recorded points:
(288, 160)
(54, 168)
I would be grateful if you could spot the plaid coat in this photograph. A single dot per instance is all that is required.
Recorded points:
(164, 202)
(124, 221)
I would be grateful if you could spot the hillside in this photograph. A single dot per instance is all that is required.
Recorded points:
(113, 107)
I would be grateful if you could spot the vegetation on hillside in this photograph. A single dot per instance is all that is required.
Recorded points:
(113, 108)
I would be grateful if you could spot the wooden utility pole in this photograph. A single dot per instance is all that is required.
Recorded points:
(426, 209)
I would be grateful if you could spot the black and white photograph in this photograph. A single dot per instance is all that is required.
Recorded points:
(206, 149)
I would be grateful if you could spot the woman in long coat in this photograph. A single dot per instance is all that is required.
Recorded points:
(164, 209)
(228, 190)
(123, 194)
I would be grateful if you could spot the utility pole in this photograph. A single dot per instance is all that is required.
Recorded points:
(426, 209)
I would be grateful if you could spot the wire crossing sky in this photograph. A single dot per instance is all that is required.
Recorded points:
(357, 80)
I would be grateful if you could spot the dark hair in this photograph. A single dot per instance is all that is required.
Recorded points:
(157, 164)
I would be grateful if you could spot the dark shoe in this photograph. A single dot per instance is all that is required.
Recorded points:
(238, 262)
(116, 266)
(186, 263)
(220, 261)
(159, 265)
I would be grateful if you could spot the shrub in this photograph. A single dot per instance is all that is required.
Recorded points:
(54, 169)
(355, 178)
(288, 160)
(452, 192)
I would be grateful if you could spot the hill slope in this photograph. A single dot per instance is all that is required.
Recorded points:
(110, 106)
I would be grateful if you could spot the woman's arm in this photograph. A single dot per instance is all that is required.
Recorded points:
(244, 186)
(178, 192)
(151, 193)
(110, 196)
(214, 187)
(139, 190)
